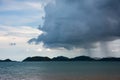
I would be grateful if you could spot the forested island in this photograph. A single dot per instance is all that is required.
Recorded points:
(63, 58)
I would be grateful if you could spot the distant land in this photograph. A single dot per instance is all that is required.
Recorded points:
(6, 60)
(63, 58)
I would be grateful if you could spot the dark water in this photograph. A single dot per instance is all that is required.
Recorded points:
(60, 71)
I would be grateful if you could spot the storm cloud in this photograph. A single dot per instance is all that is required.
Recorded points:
(80, 23)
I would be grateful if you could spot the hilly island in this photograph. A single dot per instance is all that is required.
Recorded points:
(62, 58)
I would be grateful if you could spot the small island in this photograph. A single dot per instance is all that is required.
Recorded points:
(6, 60)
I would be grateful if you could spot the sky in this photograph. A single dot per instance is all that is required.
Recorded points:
(59, 28)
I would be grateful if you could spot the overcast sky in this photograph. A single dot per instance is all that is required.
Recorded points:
(67, 28)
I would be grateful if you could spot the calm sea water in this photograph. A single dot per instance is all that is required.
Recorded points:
(59, 70)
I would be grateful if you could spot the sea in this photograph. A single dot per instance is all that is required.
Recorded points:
(76, 70)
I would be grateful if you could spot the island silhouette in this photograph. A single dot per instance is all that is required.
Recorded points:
(63, 58)
(6, 60)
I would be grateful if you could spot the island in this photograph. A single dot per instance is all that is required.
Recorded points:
(63, 58)
(37, 58)
(6, 60)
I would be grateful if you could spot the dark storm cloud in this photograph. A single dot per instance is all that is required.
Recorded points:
(80, 23)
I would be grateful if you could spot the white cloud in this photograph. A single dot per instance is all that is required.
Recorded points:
(19, 35)
(14, 5)
(20, 5)
(39, 50)
(35, 5)
(19, 31)
(48, 50)
(34, 18)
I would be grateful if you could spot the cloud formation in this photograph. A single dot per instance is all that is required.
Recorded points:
(80, 23)
(10, 35)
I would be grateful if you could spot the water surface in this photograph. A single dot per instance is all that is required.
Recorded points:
(60, 70)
